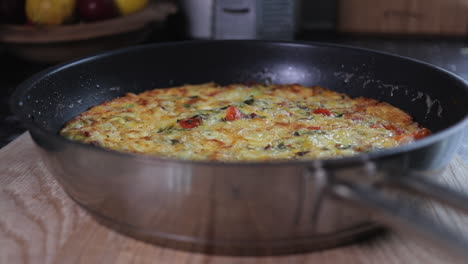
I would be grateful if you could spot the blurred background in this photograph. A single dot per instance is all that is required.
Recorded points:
(36, 34)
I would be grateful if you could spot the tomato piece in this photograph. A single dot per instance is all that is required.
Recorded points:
(314, 128)
(191, 122)
(395, 129)
(422, 133)
(233, 113)
(323, 111)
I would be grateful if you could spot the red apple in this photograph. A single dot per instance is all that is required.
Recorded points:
(94, 10)
(12, 11)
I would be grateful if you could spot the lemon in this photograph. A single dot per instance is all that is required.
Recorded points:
(49, 12)
(131, 6)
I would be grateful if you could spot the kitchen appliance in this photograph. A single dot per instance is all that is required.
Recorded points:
(253, 207)
(241, 19)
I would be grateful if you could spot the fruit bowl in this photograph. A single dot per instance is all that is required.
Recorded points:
(53, 44)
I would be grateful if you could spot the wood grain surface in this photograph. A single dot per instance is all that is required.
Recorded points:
(39, 223)
(428, 17)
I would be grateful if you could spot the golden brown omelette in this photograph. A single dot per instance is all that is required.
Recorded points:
(244, 123)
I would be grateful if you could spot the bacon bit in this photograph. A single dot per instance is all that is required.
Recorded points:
(422, 133)
(376, 126)
(87, 134)
(395, 129)
(253, 115)
(282, 103)
(233, 114)
(313, 128)
(191, 122)
(267, 147)
(323, 111)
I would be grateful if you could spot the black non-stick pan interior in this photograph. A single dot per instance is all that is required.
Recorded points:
(436, 99)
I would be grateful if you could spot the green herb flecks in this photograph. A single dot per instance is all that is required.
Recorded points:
(166, 130)
(281, 145)
(249, 101)
(313, 132)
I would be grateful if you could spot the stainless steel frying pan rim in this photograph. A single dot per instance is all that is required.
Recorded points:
(34, 127)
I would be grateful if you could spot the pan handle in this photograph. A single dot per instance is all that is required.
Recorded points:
(407, 218)
(420, 186)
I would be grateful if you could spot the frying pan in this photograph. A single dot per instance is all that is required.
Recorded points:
(253, 207)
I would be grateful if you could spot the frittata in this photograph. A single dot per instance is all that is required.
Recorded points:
(242, 122)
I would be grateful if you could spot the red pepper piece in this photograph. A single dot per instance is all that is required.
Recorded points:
(191, 122)
(314, 128)
(422, 133)
(323, 111)
(233, 113)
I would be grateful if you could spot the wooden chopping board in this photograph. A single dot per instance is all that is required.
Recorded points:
(39, 223)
